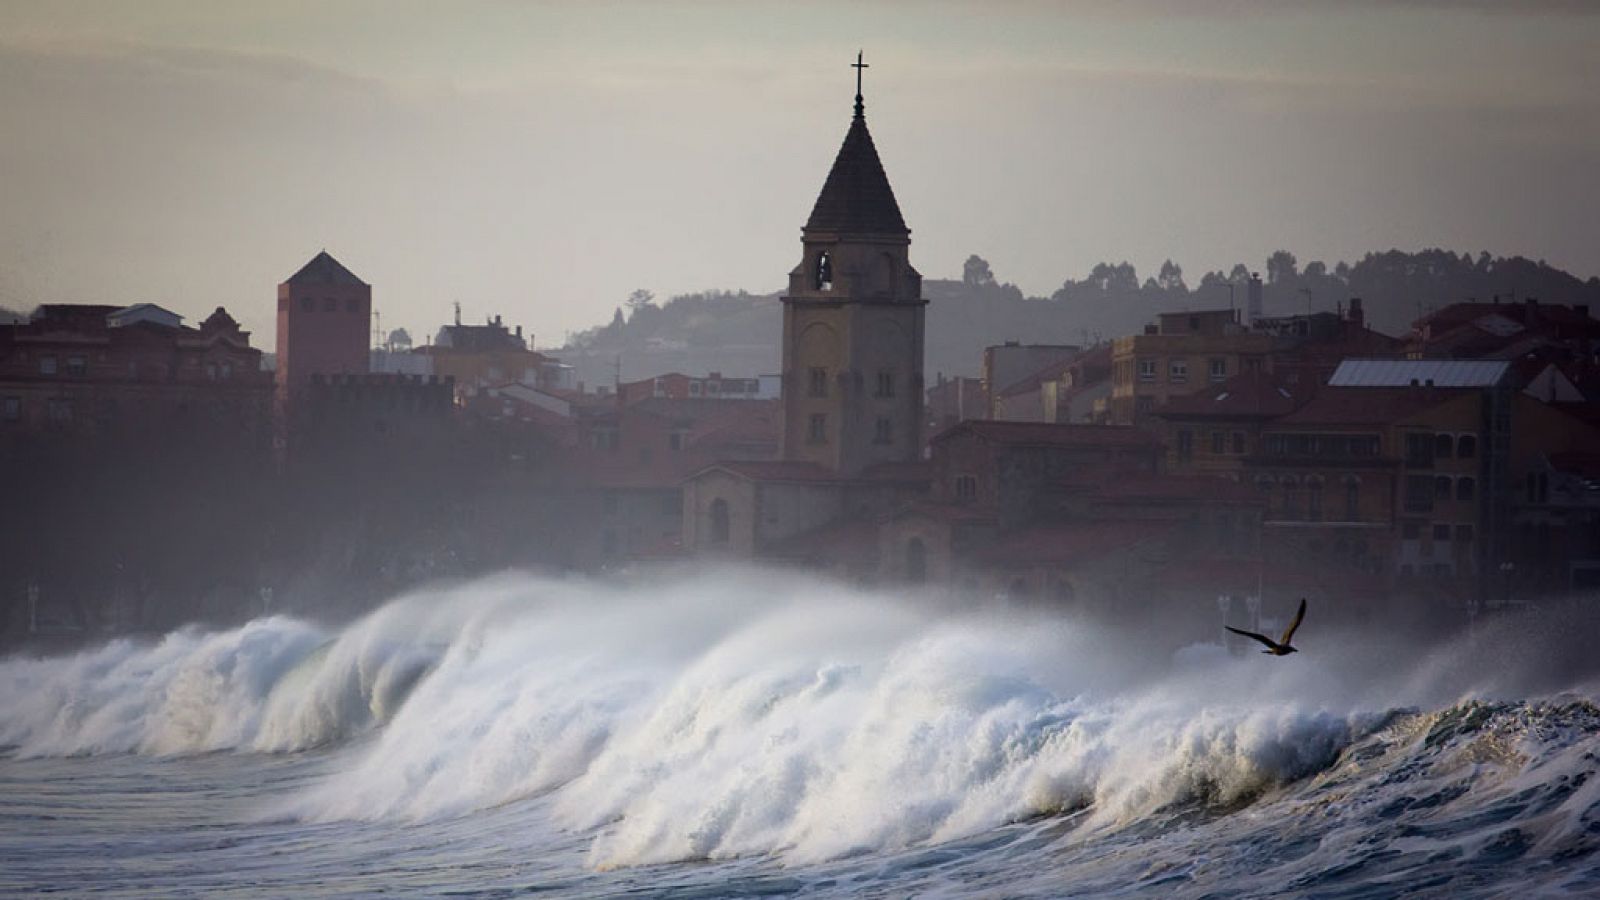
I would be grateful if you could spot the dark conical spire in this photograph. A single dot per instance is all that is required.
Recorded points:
(856, 198)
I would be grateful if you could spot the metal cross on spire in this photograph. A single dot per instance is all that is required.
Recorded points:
(858, 65)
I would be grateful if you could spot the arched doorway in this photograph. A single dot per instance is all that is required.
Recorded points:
(720, 528)
(916, 561)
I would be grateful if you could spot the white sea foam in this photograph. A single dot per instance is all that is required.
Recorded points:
(715, 715)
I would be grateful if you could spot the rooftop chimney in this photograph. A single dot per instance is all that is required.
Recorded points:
(1253, 298)
(1358, 316)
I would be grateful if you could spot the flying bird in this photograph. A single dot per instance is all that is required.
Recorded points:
(1279, 647)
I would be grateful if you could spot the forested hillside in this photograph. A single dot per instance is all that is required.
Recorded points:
(737, 332)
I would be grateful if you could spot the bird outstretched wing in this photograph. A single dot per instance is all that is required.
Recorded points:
(1253, 636)
(1298, 618)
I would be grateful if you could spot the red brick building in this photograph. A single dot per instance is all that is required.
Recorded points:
(324, 325)
(104, 370)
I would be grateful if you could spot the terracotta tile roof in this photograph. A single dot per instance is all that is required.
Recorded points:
(1031, 382)
(1458, 314)
(1257, 395)
(324, 269)
(904, 472)
(856, 198)
(1367, 406)
(1584, 465)
(1051, 434)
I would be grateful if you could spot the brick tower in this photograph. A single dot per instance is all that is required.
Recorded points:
(324, 325)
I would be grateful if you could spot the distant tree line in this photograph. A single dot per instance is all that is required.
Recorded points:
(964, 316)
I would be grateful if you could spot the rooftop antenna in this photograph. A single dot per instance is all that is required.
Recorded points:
(458, 313)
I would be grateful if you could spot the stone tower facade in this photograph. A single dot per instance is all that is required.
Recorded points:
(853, 323)
(324, 324)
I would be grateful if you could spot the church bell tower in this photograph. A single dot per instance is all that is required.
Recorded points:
(853, 321)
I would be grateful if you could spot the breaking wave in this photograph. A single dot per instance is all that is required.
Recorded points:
(746, 713)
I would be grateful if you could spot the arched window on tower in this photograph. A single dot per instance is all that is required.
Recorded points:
(824, 280)
(720, 528)
(883, 275)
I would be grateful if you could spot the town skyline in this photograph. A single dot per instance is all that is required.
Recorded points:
(196, 161)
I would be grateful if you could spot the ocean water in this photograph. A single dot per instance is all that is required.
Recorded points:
(754, 734)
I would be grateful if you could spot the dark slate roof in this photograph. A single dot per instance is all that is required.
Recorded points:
(856, 198)
(324, 269)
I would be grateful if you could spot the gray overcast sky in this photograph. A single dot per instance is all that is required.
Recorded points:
(541, 160)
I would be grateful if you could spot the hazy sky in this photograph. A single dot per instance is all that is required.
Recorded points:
(541, 160)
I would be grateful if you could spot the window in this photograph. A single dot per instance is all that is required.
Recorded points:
(883, 433)
(1411, 530)
(720, 527)
(966, 488)
(1218, 369)
(1419, 493)
(1178, 370)
(352, 305)
(678, 439)
(1467, 446)
(12, 410)
(1238, 443)
(694, 388)
(1219, 443)
(47, 365)
(1314, 499)
(1443, 446)
(818, 433)
(824, 279)
(1147, 370)
(672, 504)
(77, 366)
(1466, 489)
(819, 381)
(60, 410)
(1441, 532)
(307, 304)
(329, 304)
(1291, 498)
(608, 542)
(604, 438)
(1185, 445)
(1464, 534)
(1442, 487)
(1352, 499)
(885, 383)
(1419, 451)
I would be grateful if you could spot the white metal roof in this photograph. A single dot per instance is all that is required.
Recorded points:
(1450, 373)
